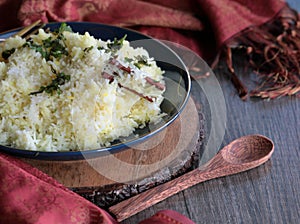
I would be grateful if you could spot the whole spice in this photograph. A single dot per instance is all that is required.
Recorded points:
(111, 78)
(157, 84)
(128, 70)
(137, 93)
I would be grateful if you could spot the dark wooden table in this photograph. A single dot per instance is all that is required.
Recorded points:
(267, 194)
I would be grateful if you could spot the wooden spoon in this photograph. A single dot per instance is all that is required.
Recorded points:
(240, 155)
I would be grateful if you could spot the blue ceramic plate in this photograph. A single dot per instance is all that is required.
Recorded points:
(178, 86)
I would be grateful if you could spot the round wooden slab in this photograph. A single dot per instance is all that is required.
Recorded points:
(147, 164)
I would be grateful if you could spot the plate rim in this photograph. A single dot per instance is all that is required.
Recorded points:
(93, 153)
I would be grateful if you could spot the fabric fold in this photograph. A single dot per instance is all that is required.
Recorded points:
(30, 196)
(208, 27)
(116, 12)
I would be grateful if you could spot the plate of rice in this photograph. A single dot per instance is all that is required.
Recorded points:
(76, 90)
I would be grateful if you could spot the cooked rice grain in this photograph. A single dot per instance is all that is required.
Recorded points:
(88, 111)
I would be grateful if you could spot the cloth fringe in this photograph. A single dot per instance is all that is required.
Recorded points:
(273, 52)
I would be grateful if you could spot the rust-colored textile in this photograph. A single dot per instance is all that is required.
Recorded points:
(207, 27)
(167, 217)
(28, 196)
(201, 25)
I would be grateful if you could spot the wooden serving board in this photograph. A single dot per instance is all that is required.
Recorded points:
(147, 164)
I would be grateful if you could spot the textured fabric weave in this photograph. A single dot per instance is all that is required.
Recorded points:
(201, 25)
(29, 196)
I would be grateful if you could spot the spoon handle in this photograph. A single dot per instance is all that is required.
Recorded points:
(217, 167)
(133, 205)
(240, 155)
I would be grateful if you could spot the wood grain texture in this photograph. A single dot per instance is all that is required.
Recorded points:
(268, 194)
(240, 155)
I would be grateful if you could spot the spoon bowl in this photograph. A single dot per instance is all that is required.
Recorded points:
(240, 155)
(247, 149)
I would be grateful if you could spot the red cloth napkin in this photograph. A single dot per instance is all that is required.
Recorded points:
(201, 25)
(29, 196)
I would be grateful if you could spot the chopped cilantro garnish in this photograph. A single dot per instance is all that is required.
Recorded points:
(88, 49)
(47, 42)
(57, 49)
(60, 79)
(129, 60)
(7, 53)
(116, 44)
(139, 66)
(141, 60)
(38, 48)
(50, 47)
(63, 27)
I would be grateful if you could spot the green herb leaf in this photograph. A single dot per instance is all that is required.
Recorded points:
(129, 60)
(116, 44)
(63, 27)
(139, 66)
(54, 48)
(7, 53)
(57, 49)
(141, 61)
(47, 42)
(38, 48)
(60, 79)
(88, 49)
